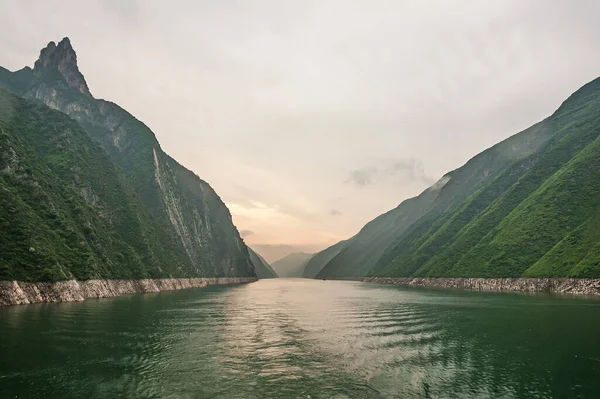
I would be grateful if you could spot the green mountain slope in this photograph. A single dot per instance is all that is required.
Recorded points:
(261, 266)
(291, 265)
(532, 219)
(189, 218)
(320, 259)
(370, 247)
(65, 209)
(525, 207)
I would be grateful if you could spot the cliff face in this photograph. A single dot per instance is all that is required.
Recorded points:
(22, 293)
(60, 64)
(90, 204)
(548, 285)
(189, 222)
(65, 210)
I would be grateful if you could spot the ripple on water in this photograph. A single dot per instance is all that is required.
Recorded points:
(303, 339)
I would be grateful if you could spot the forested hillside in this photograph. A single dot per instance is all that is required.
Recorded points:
(184, 229)
(528, 206)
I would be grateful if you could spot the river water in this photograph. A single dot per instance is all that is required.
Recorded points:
(297, 338)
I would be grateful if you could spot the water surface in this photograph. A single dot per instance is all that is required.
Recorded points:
(296, 338)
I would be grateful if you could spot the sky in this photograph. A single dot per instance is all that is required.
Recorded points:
(310, 118)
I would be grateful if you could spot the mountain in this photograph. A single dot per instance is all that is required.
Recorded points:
(319, 260)
(291, 265)
(261, 266)
(183, 227)
(368, 246)
(528, 206)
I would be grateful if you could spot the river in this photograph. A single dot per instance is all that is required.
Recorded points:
(298, 338)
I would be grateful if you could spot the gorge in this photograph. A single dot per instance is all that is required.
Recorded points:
(88, 195)
(404, 199)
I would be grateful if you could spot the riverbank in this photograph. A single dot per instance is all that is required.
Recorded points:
(20, 293)
(575, 286)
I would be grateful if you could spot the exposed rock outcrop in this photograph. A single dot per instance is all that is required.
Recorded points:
(578, 286)
(20, 293)
(61, 58)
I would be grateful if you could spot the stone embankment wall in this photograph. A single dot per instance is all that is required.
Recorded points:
(553, 285)
(18, 292)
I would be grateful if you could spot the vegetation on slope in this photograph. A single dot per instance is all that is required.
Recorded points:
(508, 226)
(192, 223)
(371, 246)
(64, 209)
(528, 206)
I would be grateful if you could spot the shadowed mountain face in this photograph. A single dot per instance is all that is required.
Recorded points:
(291, 265)
(184, 227)
(529, 206)
(262, 268)
(319, 260)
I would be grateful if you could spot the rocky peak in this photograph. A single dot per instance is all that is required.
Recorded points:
(63, 59)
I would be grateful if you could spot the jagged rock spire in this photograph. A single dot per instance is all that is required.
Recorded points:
(61, 58)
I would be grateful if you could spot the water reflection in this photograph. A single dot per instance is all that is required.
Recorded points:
(303, 339)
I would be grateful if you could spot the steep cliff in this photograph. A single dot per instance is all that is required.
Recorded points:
(66, 210)
(180, 227)
(22, 293)
(572, 286)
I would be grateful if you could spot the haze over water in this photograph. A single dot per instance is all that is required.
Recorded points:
(286, 338)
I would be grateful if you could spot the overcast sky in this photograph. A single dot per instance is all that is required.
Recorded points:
(310, 118)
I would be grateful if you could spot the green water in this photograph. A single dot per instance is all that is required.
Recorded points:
(303, 339)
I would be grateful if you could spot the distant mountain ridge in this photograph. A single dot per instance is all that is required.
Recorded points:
(319, 260)
(262, 268)
(184, 229)
(527, 206)
(291, 265)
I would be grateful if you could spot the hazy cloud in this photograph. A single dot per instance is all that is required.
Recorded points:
(335, 212)
(410, 168)
(363, 177)
(401, 169)
(121, 8)
(246, 233)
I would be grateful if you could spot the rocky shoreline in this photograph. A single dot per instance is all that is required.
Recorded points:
(575, 286)
(20, 293)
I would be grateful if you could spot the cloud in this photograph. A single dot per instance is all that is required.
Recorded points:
(246, 233)
(412, 168)
(335, 212)
(122, 8)
(285, 203)
(362, 177)
(409, 169)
